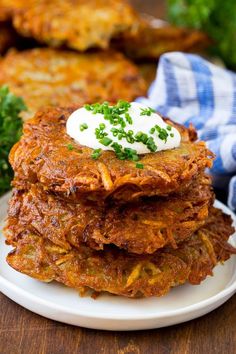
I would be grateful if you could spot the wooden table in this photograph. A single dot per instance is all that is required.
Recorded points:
(22, 332)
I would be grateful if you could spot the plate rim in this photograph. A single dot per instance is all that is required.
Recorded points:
(98, 315)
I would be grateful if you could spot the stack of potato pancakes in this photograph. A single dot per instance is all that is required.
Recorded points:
(107, 225)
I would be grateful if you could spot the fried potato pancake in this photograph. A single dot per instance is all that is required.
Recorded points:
(77, 24)
(42, 155)
(9, 7)
(7, 37)
(152, 40)
(48, 77)
(118, 272)
(140, 227)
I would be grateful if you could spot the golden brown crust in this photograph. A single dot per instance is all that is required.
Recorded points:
(42, 155)
(79, 24)
(151, 41)
(125, 274)
(48, 77)
(9, 7)
(140, 227)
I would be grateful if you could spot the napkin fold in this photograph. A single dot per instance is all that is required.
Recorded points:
(189, 89)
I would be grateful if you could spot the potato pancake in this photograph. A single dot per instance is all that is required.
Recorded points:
(118, 272)
(48, 155)
(152, 40)
(141, 227)
(48, 77)
(77, 24)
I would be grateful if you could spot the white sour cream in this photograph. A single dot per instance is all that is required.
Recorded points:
(140, 122)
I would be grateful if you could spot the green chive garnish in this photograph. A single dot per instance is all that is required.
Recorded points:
(147, 111)
(102, 126)
(83, 127)
(96, 154)
(70, 147)
(139, 165)
(105, 141)
(118, 116)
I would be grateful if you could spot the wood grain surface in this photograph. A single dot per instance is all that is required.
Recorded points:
(22, 332)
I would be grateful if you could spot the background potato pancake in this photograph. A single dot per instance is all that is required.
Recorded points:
(140, 227)
(9, 7)
(48, 77)
(79, 24)
(125, 274)
(152, 40)
(42, 155)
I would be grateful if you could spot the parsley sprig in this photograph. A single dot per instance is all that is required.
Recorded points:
(10, 131)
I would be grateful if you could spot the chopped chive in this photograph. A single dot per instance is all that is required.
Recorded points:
(96, 154)
(169, 127)
(130, 139)
(144, 138)
(128, 118)
(70, 147)
(147, 111)
(139, 165)
(102, 126)
(105, 141)
(88, 107)
(172, 135)
(83, 127)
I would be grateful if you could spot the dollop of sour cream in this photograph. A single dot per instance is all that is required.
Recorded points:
(140, 123)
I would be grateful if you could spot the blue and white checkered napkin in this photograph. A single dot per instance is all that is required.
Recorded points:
(189, 89)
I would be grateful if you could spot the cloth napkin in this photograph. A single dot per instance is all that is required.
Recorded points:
(189, 89)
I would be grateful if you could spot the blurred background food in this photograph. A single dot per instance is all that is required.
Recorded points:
(7, 37)
(10, 132)
(55, 77)
(216, 18)
(61, 52)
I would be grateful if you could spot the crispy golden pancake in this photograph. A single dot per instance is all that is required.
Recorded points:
(42, 155)
(120, 273)
(9, 7)
(78, 24)
(151, 41)
(140, 227)
(48, 77)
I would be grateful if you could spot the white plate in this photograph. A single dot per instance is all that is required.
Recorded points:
(109, 312)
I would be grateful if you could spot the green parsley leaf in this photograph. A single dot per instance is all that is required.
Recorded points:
(214, 17)
(10, 132)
